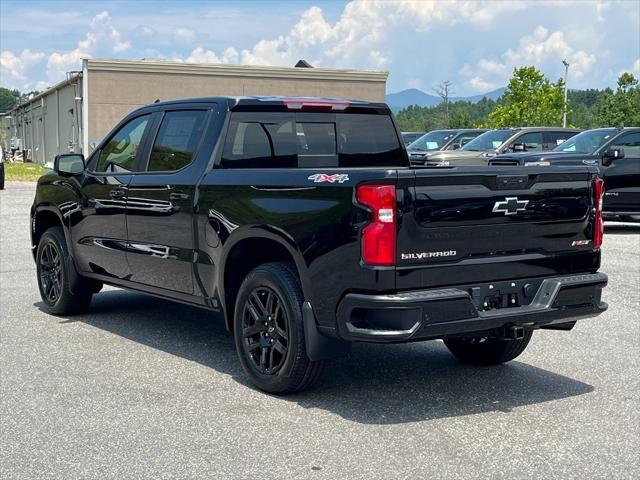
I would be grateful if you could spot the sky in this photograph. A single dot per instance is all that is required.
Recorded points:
(475, 44)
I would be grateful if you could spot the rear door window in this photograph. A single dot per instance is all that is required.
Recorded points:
(284, 140)
(177, 139)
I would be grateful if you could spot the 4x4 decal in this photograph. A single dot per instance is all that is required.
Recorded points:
(323, 177)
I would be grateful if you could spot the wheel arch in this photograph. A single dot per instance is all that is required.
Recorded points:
(43, 218)
(245, 251)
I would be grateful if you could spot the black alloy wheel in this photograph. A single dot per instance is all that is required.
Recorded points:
(265, 330)
(51, 272)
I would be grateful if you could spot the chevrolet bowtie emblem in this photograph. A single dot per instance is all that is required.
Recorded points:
(510, 206)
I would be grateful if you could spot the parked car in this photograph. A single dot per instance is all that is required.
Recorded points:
(494, 142)
(440, 140)
(302, 221)
(410, 137)
(615, 150)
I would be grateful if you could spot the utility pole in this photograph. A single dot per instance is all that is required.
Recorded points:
(444, 91)
(566, 76)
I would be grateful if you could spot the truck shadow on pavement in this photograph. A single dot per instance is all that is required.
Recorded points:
(376, 384)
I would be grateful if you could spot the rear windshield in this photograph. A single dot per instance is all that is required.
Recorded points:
(287, 140)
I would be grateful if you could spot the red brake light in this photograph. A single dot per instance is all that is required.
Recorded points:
(598, 223)
(378, 240)
(314, 104)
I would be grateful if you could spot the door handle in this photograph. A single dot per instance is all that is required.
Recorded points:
(178, 196)
(117, 193)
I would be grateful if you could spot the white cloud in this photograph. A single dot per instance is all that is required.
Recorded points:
(13, 67)
(542, 49)
(101, 36)
(200, 55)
(184, 34)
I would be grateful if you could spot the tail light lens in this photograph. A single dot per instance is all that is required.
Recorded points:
(378, 241)
(598, 223)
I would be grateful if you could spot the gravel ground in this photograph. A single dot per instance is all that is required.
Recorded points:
(145, 388)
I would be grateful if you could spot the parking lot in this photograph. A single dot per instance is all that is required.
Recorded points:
(145, 388)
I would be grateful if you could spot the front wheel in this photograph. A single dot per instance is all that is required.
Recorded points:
(487, 350)
(58, 292)
(269, 332)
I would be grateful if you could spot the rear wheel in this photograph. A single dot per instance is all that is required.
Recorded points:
(58, 292)
(486, 349)
(269, 332)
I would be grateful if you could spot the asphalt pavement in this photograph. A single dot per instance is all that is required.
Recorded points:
(145, 388)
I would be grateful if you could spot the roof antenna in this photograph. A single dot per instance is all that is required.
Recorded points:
(157, 100)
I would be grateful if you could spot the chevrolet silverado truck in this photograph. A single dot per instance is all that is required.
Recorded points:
(615, 150)
(302, 221)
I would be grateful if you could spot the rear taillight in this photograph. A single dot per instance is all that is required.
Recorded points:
(598, 222)
(378, 241)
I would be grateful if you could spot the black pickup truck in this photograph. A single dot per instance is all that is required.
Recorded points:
(303, 222)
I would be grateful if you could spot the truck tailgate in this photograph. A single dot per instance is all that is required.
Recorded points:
(465, 225)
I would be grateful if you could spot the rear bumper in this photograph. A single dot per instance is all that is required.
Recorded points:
(429, 314)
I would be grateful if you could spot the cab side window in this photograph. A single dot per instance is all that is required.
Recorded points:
(177, 140)
(532, 142)
(630, 143)
(119, 153)
(553, 139)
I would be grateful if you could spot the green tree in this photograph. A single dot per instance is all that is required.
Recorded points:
(8, 99)
(529, 100)
(622, 107)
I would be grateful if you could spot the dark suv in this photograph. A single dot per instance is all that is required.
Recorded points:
(440, 141)
(615, 150)
(494, 142)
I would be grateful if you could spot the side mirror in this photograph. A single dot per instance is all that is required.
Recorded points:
(69, 163)
(610, 155)
(519, 147)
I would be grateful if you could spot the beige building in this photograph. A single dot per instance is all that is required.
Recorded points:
(79, 112)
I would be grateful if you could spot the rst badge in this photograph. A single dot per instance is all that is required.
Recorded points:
(324, 177)
(510, 206)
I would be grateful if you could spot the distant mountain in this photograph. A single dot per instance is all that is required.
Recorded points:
(413, 96)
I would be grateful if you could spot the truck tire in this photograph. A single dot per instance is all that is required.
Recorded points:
(269, 332)
(487, 350)
(60, 294)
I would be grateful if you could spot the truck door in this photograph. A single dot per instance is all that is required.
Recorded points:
(100, 232)
(622, 177)
(160, 210)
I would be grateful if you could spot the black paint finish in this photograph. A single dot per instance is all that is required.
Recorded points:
(183, 235)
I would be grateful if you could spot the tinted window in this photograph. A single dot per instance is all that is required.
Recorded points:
(630, 143)
(260, 141)
(367, 141)
(432, 140)
(488, 141)
(532, 141)
(553, 139)
(284, 140)
(586, 142)
(119, 154)
(176, 141)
